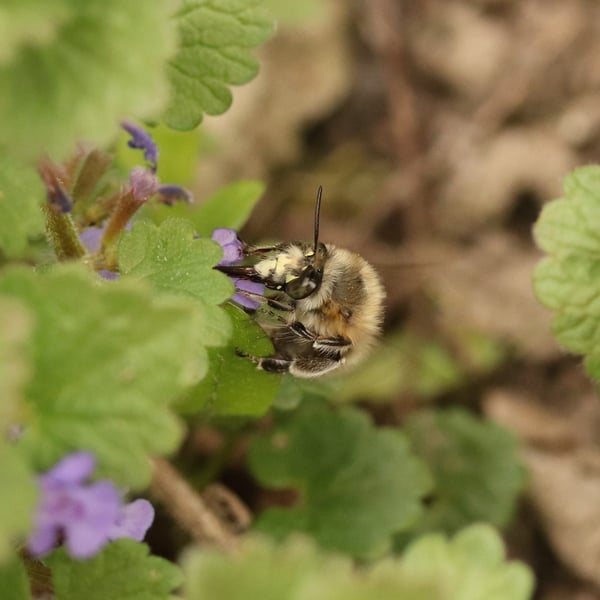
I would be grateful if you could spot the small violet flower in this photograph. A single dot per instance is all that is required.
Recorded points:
(233, 251)
(85, 516)
(142, 140)
(169, 193)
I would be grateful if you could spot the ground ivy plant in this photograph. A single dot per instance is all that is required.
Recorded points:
(117, 334)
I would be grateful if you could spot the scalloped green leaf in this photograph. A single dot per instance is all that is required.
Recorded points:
(475, 465)
(123, 570)
(568, 280)
(91, 62)
(14, 584)
(233, 385)
(108, 359)
(358, 485)
(215, 39)
(471, 566)
(21, 195)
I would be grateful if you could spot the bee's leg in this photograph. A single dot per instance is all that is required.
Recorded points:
(271, 364)
(314, 366)
(319, 342)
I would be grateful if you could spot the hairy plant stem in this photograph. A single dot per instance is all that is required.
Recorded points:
(188, 508)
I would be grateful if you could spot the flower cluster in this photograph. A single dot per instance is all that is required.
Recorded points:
(248, 292)
(84, 516)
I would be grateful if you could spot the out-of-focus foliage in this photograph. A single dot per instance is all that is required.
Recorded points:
(122, 570)
(471, 566)
(568, 280)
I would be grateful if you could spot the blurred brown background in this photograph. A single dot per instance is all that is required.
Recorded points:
(438, 129)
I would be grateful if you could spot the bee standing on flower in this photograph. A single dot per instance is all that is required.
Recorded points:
(330, 304)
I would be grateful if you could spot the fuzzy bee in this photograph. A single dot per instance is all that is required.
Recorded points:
(329, 303)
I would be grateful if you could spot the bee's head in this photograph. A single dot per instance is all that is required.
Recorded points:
(308, 279)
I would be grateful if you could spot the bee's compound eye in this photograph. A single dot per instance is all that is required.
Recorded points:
(305, 284)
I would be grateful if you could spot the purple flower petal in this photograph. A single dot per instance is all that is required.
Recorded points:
(110, 275)
(91, 238)
(143, 183)
(95, 510)
(233, 249)
(42, 540)
(73, 469)
(142, 140)
(170, 193)
(135, 519)
(251, 287)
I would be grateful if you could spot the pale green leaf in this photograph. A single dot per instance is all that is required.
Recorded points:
(107, 361)
(469, 567)
(123, 571)
(358, 485)
(89, 64)
(568, 280)
(215, 38)
(174, 259)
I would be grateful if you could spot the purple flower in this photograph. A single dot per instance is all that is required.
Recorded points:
(85, 516)
(247, 293)
(170, 193)
(91, 238)
(142, 140)
(143, 183)
(233, 251)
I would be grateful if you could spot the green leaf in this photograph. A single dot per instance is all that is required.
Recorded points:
(15, 328)
(475, 466)
(14, 584)
(123, 571)
(18, 498)
(107, 361)
(568, 280)
(358, 485)
(233, 385)
(215, 36)
(92, 63)
(173, 259)
(260, 569)
(469, 567)
(229, 207)
(21, 193)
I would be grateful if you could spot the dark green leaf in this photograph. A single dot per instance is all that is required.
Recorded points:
(233, 385)
(358, 485)
(476, 469)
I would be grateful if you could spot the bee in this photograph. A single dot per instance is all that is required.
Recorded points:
(329, 303)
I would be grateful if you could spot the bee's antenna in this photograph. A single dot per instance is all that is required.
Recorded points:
(317, 216)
